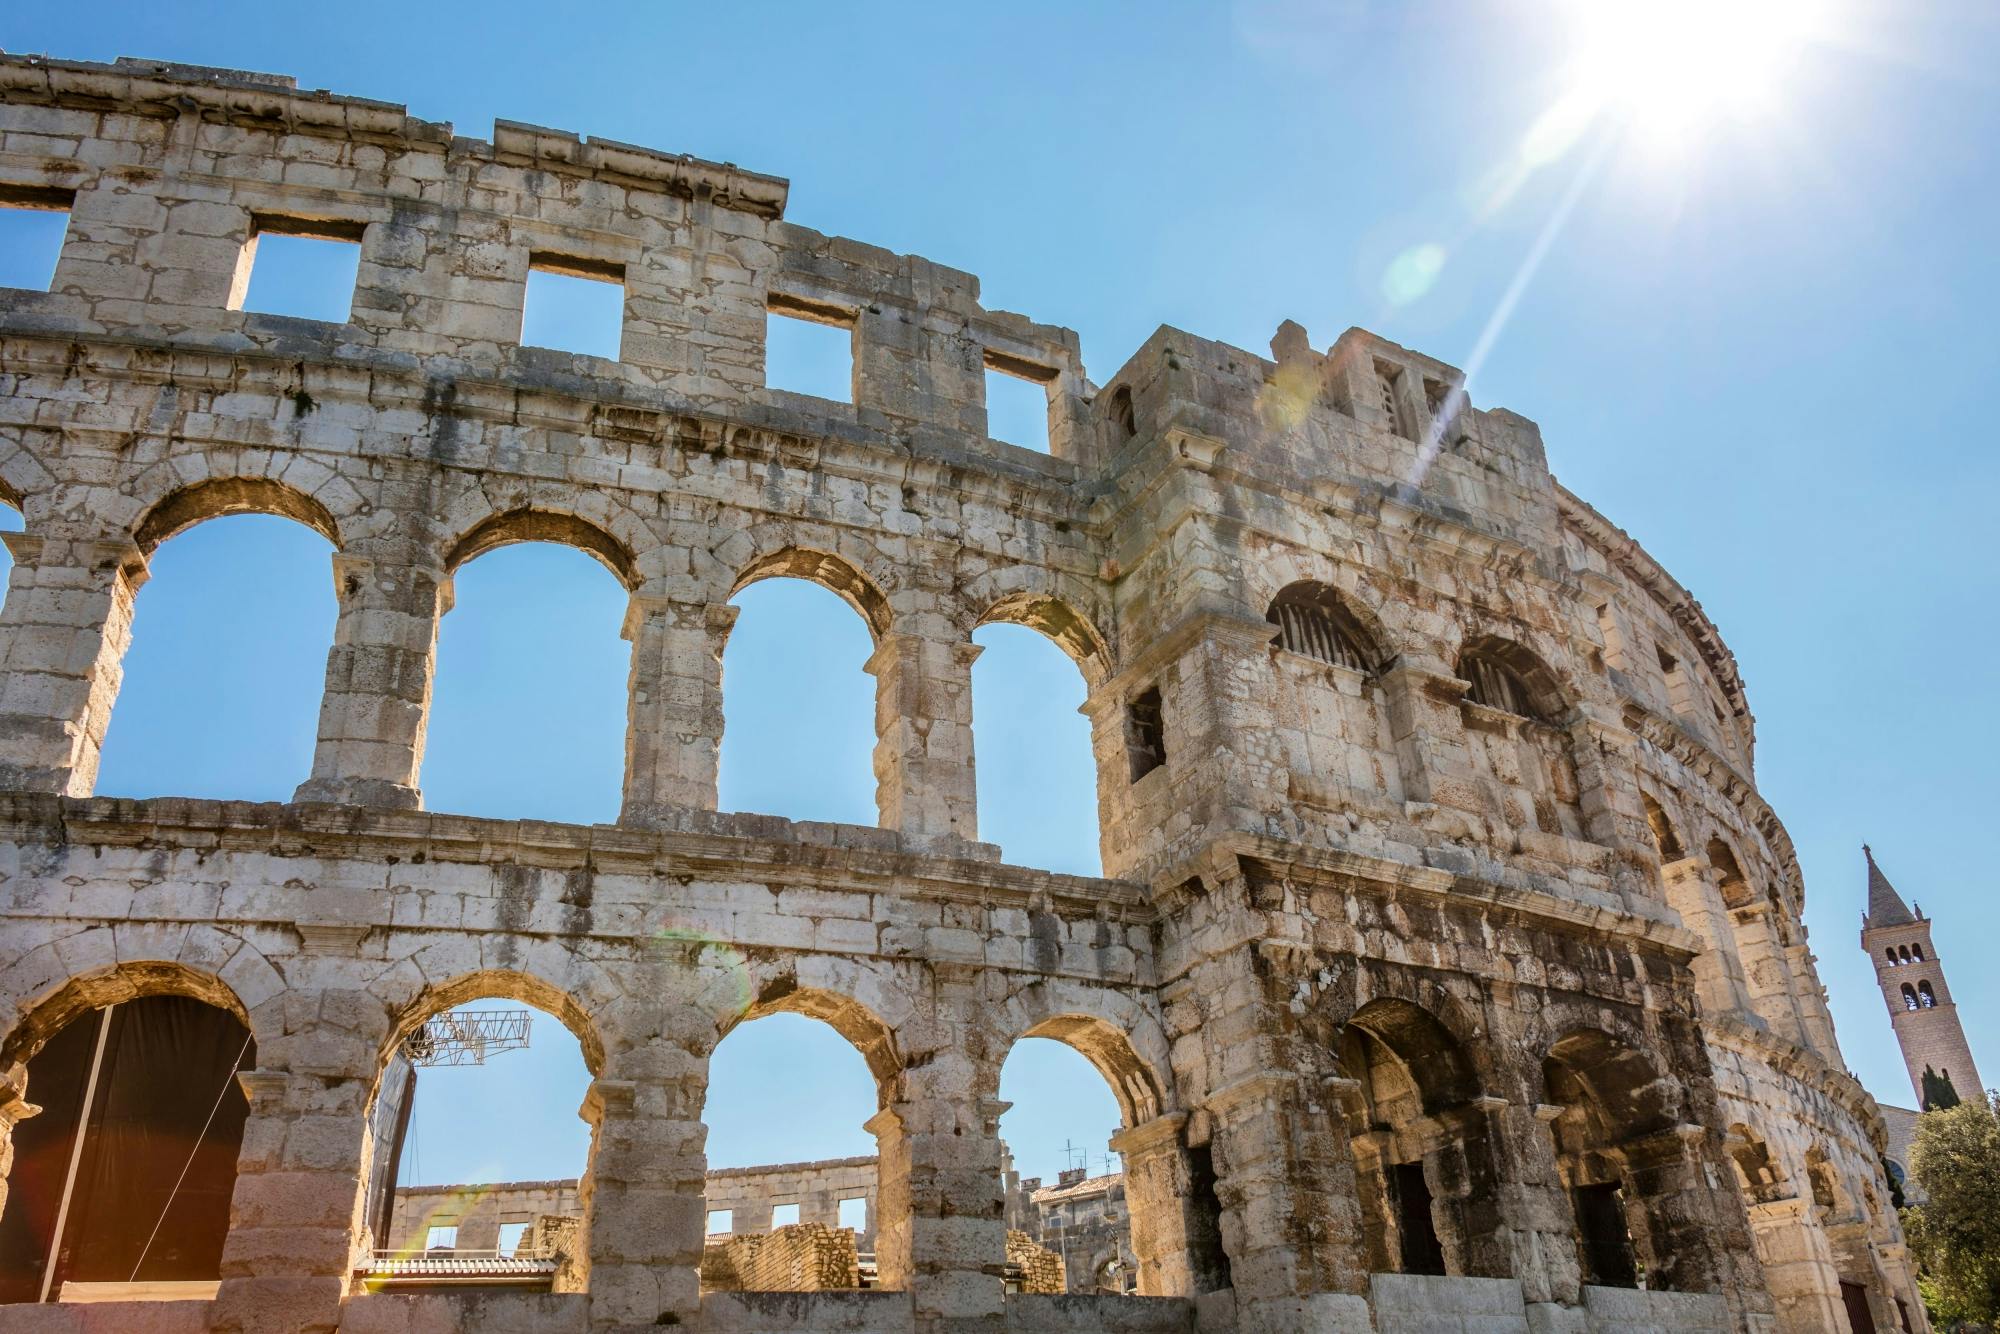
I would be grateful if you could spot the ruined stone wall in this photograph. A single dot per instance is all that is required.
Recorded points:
(818, 1188)
(478, 1212)
(800, 1257)
(1403, 954)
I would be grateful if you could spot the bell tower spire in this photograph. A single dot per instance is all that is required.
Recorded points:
(1911, 975)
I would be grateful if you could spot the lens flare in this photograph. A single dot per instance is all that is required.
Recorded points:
(1413, 273)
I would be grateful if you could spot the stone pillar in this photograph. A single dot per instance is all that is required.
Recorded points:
(1798, 1264)
(942, 1234)
(1693, 1236)
(1290, 1221)
(1428, 734)
(673, 737)
(1718, 972)
(295, 1222)
(1463, 1175)
(63, 633)
(923, 728)
(643, 1197)
(373, 717)
(1176, 1233)
(1538, 1220)
(1766, 970)
(1810, 998)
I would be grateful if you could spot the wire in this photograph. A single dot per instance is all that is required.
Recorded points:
(227, 1080)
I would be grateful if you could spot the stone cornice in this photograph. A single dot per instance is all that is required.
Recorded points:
(1393, 879)
(1734, 785)
(158, 90)
(1805, 1066)
(311, 830)
(1625, 553)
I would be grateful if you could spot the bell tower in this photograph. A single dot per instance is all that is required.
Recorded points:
(1912, 979)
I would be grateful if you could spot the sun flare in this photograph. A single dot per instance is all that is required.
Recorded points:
(1676, 67)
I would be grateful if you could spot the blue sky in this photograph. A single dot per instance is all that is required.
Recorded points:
(1767, 354)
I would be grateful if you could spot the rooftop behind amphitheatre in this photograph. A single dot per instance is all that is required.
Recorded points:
(1448, 964)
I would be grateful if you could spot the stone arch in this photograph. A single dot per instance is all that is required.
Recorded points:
(1665, 840)
(511, 984)
(836, 574)
(1759, 1174)
(1628, 1091)
(864, 1029)
(1036, 599)
(1439, 1063)
(40, 1017)
(1318, 620)
(25, 481)
(1284, 568)
(1735, 886)
(182, 509)
(527, 524)
(1516, 678)
(1114, 1049)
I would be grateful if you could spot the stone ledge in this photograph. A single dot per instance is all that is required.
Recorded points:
(841, 856)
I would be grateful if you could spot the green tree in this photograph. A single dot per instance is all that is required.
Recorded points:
(1955, 1235)
(1938, 1092)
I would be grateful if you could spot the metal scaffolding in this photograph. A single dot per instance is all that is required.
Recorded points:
(467, 1037)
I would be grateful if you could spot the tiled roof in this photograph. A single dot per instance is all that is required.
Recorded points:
(446, 1265)
(1087, 1186)
(1885, 905)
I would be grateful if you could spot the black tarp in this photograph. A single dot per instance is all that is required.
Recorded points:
(168, 1070)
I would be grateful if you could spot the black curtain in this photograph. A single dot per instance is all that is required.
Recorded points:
(151, 1180)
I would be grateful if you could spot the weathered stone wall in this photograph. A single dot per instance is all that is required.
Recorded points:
(750, 1193)
(478, 1212)
(800, 1257)
(1405, 954)
(1040, 1269)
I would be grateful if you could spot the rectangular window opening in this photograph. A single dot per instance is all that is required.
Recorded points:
(511, 1237)
(33, 222)
(809, 349)
(442, 1237)
(1145, 732)
(574, 305)
(721, 1222)
(1388, 378)
(783, 1215)
(300, 268)
(853, 1214)
(1017, 401)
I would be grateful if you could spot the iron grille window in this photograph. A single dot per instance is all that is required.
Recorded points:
(1311, 622)
(1496, 686)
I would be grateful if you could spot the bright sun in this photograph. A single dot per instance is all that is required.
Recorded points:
(1675, 67)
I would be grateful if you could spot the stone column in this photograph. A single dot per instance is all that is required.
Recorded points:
(1798, 1264)
(1429, 735)
(373, 716)
(942, 1234)
(295, 1221)
(673, 737)
(643, 1197)
(923, 727)
(1176, 1233)
(1290, 1221)
(64, 631)
(1718, 972)
(1695, 1237)
(1766, 969)
(1462, 1172)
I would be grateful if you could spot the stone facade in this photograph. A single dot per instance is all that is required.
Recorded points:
(1447, 955)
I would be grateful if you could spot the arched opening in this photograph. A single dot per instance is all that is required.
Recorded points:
(1890, 955)
(222, 682)
(793, 1199)
(1065, 1186)
(1118, 411)
(478, 1153)
(528, 714)
(1037, 773)
(798, 736)
(1758, 1174)
(1736, 891)
(1665, 840)
(1614, 1120)
(1909, 997)
(126, 1173)
(11, 521)
(1423, 1160)
(1917, 953)
(1506, 678)
(1926, 998)
(1315, 622)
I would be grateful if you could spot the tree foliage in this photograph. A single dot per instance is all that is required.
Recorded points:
(1955, 1235)
(1939, 1095)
